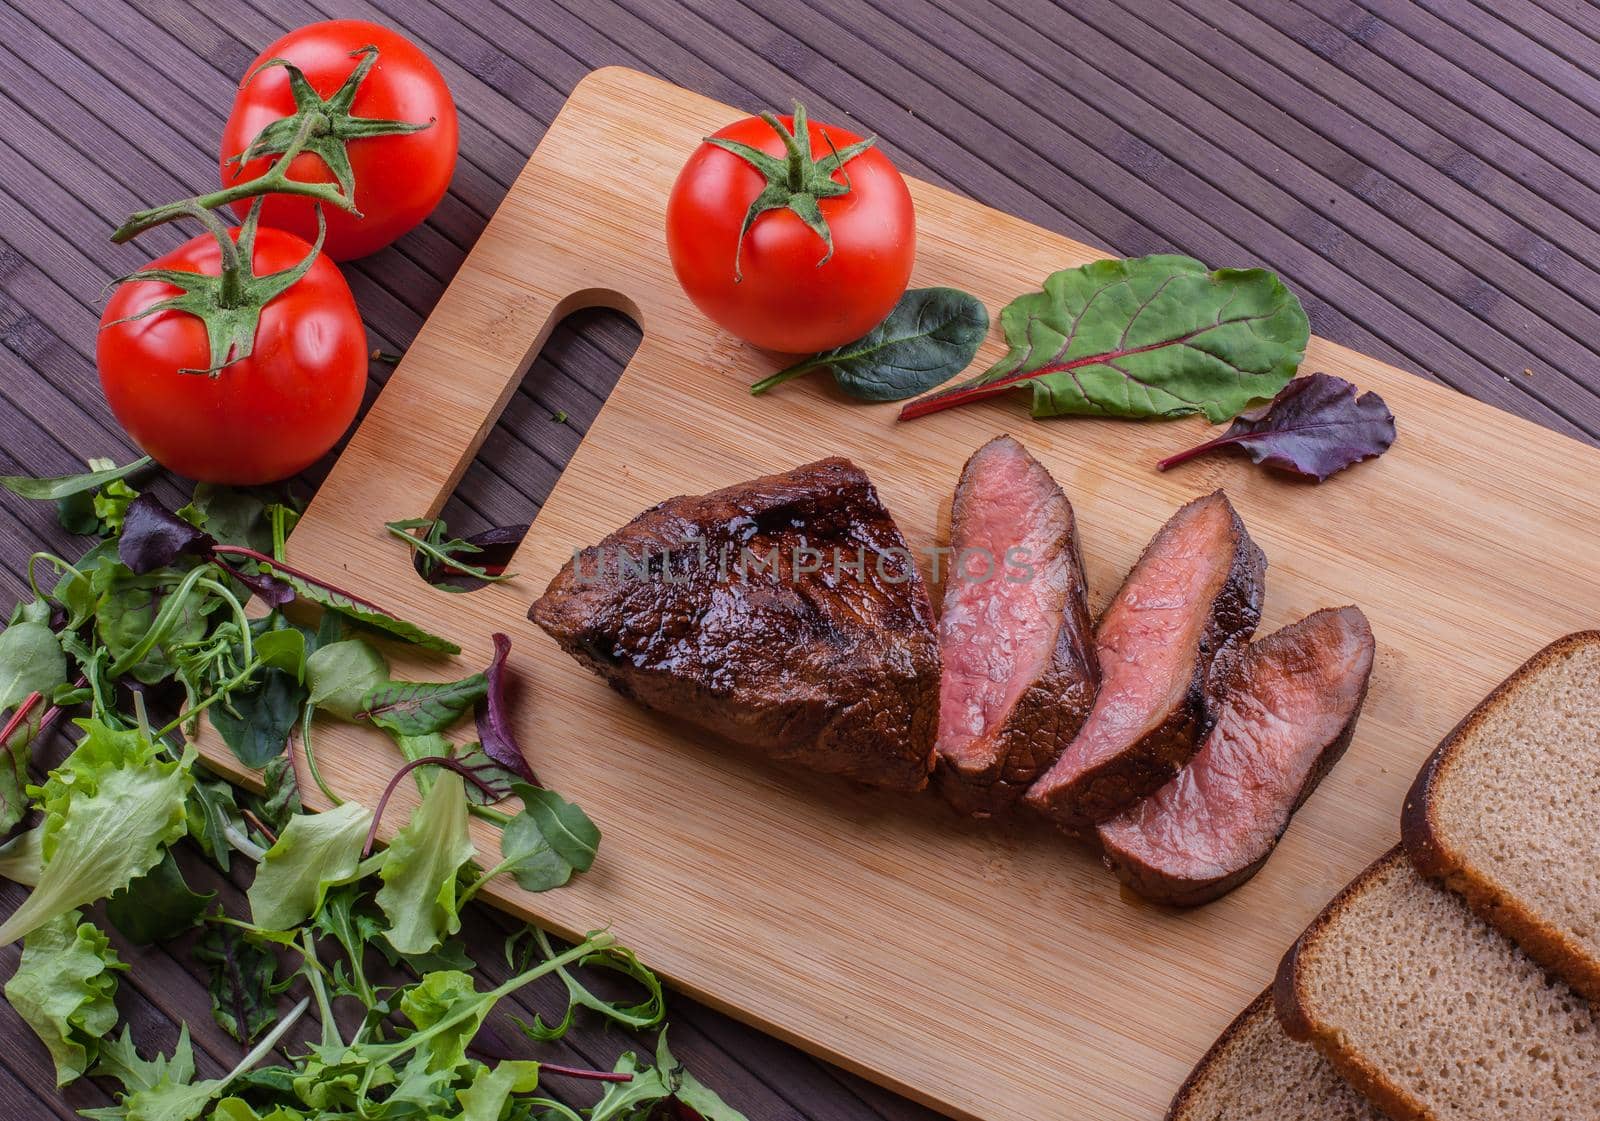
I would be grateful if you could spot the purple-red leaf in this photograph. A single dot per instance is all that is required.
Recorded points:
(494, 721)
(153, 536)
(1314, 427)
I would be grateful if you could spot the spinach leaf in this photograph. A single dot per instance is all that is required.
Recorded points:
(62, 486)
(418, 708)
(1146, 337)
(232, 516)
(30, 662)
(571, 834)
(931, 336)
(341, 674)
(158, 906)
(255, 721)
(1316, 426)
(63, 990)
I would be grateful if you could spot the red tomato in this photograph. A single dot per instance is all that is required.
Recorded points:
(399, 178)
(260, 419)
(786, 300)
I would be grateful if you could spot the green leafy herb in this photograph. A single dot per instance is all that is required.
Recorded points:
(316, 852)
(931, 336)
(418, 708)
(647, 1012)
(351, 607)
(419, 872)
(30, 662)
(62, 486)
(242, 980)
(342, 674)
(568, 829)
(1146, 337)
(110, 810)
(255, 722)
(442, 554)
(63, 989)
(158, 906)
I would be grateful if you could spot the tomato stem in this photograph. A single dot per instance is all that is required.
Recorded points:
(275, 180)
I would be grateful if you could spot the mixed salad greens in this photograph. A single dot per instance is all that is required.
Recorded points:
(138, 637)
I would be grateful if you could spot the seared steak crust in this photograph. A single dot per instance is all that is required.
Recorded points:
(809, 660)
(1286, 718)
(1015, 637)
(1192, 597)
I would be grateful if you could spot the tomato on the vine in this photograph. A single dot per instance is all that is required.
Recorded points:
(189, 400)
(380, 115)
(795, 236)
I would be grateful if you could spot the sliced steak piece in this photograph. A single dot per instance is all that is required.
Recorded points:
(1286, 717)
(785, 614)
(1194, 593)
(1015, 635)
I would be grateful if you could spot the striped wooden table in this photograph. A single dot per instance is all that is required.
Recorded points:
(1424, 174)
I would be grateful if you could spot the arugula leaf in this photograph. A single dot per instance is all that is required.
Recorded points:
(1146, 337)
(652, 1090)
(255, 721)
(495, 733)
(647, 1012)
(341, 674)
(931, 336)
(158, 906)
(314, 853)
(420, 708)
(486, 1098)
(438, 554)
(1316, 426)
(110, 810)
(568, 829)
(242, 981)
(419, 873)
(61, 486)
(63, 989)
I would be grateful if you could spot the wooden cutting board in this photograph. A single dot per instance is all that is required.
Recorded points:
(989, 972)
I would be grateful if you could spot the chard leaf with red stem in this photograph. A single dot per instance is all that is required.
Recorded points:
(1151, 336)
(1316, 426)
(494, 723)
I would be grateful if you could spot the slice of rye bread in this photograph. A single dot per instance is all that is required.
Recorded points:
(1503, 811)
(1254, 1072)
(1433, 1014)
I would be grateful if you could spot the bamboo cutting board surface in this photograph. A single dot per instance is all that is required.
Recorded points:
(989, 972)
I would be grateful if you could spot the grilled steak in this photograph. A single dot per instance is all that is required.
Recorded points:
(1015, 635)
(785, 614)
(1287, 715)
(1194, 593)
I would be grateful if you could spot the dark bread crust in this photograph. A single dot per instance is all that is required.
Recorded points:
(1299, 1023)
(1431, 854)
(1116, 783)
(1052, 709)
(1162, 886)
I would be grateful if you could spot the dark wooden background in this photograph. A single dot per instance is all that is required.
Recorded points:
(1424, 174)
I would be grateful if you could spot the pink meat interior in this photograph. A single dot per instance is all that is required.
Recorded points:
(1294, 693)
(998, 629)
(1147, 639)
